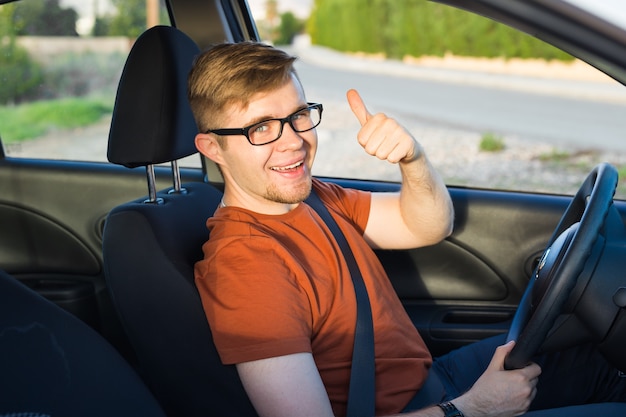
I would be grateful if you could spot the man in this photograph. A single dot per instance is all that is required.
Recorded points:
(274, 286)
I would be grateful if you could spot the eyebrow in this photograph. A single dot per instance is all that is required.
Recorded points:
(265, 118)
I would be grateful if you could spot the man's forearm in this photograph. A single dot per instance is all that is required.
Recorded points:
(425, 202)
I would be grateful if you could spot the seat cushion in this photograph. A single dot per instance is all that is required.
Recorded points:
(55, 365)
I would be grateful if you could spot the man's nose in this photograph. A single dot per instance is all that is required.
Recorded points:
(290, 138)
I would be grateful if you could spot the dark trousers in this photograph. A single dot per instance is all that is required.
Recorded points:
(573, 377)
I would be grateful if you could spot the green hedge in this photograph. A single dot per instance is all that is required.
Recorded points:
(20, 76)
(418, 28)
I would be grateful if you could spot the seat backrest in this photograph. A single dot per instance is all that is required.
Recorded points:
(53, 364)
(150, 245)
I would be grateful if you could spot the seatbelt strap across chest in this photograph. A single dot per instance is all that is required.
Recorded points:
(362, 392)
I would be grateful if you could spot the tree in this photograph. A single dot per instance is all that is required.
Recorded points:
(20, 75)
(46, 18)
(101, 26)
(289, 27)
(130, 18)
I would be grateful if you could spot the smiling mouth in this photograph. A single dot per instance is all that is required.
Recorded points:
(288, 167)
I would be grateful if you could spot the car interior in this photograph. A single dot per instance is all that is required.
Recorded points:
(106, 250)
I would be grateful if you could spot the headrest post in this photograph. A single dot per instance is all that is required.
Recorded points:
(176, 176)
(178, 189)
(152, 198)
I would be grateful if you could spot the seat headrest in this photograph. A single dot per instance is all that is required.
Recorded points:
(152, 121)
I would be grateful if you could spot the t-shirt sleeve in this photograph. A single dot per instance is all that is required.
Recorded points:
(254, 304)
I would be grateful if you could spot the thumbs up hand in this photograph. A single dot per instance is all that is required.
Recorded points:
(382, 136)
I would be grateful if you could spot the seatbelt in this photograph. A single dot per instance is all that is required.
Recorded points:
(362, 393)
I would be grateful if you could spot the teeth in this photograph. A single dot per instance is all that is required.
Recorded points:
(296, 165)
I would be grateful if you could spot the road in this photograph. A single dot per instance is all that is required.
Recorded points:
(568, 114)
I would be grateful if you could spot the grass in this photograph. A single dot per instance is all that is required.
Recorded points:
(490, 142)
(30, 120)
(555, 156)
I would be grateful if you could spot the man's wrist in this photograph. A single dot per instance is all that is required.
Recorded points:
(450, 410)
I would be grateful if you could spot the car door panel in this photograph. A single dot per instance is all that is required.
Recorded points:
(51, 220)
(31, 242)
(443, 271)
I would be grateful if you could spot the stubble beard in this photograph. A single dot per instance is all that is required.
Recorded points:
(295, 195)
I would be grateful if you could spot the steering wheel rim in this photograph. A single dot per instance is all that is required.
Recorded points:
(560, 265)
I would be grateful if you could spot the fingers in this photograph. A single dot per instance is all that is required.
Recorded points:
(382, 136)
(502, 392)
(497, 362)
(532, 370)
(358, 106)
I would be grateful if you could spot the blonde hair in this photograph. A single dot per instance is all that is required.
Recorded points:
(231, 73)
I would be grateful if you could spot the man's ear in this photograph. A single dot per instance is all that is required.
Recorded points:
(207, 145)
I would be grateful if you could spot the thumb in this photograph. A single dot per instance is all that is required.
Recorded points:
(358, 106)
(497, 362)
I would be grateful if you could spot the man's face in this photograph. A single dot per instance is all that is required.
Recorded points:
(273, 177)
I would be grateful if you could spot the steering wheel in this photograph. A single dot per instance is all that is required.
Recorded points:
(561, 264)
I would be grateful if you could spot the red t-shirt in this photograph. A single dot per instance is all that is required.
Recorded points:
(274, 285)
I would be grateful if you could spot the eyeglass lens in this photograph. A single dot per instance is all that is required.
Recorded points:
(270, 130)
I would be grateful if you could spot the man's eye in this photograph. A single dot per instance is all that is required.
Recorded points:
(304, 114)
(260, 128)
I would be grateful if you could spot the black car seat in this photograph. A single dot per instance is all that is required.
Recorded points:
(53, 364)
(150, 245)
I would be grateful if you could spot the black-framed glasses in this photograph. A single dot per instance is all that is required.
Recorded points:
(270, 130)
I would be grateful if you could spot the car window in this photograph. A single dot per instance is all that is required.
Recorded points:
(60, 63)
(493, 107)
(529, 118)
